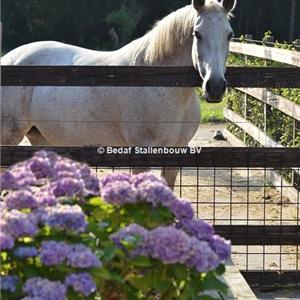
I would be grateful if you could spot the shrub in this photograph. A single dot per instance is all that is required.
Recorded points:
(66, 235)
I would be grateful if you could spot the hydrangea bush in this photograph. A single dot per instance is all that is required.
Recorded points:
(67, 235)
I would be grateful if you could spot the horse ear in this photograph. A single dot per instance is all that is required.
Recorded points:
(198, 4)
(229, 5)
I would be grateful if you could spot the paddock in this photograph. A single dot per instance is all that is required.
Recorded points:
(236, 189)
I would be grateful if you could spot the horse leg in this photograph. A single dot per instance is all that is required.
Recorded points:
(170, 174)
(36, 138)
(14, 114)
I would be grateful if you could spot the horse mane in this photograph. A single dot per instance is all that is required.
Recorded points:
(169, 34)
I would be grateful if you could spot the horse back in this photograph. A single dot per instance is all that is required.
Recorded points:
(43, 53)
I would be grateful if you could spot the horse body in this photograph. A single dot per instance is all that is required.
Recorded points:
(104, 116)
(108, 116)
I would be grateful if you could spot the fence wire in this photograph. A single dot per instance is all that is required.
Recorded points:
(245, 196)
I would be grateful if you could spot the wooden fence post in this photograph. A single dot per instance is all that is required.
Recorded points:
(297, 45)
(269, 41)
(249, 39)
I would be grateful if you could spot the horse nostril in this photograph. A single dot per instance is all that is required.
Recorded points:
(208, 86)
(224, 87)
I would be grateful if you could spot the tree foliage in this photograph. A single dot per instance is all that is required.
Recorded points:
(109, 24)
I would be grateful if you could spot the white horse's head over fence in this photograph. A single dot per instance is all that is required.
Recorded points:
(205, 27)
(212, 34)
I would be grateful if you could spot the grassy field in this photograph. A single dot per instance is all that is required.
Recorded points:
(211, 112)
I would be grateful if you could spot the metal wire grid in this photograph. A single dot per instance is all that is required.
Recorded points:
(243, 196)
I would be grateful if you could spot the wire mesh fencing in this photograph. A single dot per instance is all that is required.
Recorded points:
(242, 191)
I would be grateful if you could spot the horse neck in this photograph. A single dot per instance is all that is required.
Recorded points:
(133, 54)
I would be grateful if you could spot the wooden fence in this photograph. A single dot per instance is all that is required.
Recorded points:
(143, 76)
(209, 157)
(269, 99)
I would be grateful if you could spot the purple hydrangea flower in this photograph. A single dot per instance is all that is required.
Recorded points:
(133, 234)
(50, 155)
(33, 298)
(197, 228)
(19, 224)
(8, 181)
(65, 217)
(182, 209)
(155, 193)
(92, 185)
(81, 283)
(221, 247)
(54, 253)
(9, 283)
(45, 289)
(26, 252)
(40, 166)
(81, 256)
(146, 177)
(202, 257)
(23, 175)
(68, 187)
(45, 197)
(114, 177)
(119, 192)
(20, 200)
(7, 242)
(170, 245)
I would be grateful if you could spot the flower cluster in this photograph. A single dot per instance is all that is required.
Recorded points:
(81, 283)
(60, 176)
(46, 192)
(123, 188)
(39, 288)
(191, 241)
(172, 246)
(50, 219)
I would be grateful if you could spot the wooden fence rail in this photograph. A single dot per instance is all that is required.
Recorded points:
(275, 54)
(143, 76)
(284, 105)
(208, 157)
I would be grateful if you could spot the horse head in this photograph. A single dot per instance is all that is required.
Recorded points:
(212, 34)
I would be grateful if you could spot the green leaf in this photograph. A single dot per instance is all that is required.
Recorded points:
(141, 261)
(96, 201)
(212, 282)
(107, 275)
(206, 297)
(180, 272)
(139, 283)
(221, 269)
(109, 253)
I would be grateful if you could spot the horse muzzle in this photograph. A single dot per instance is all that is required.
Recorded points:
(214, 90)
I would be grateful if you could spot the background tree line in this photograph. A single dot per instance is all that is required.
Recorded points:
(109, 24)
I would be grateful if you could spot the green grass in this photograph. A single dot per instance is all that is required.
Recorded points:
(212, 112)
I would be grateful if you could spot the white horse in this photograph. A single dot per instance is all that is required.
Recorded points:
(196, 35)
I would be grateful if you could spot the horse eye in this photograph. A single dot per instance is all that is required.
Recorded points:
(197, 35)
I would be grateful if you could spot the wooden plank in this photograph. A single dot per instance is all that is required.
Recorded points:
(208, 157)
(271, 53)
(271, 278)
(285, 188)
(239, 288)
(251, 129)
(286, 106)
(257, 235)
(144, 76)
(233, 140)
